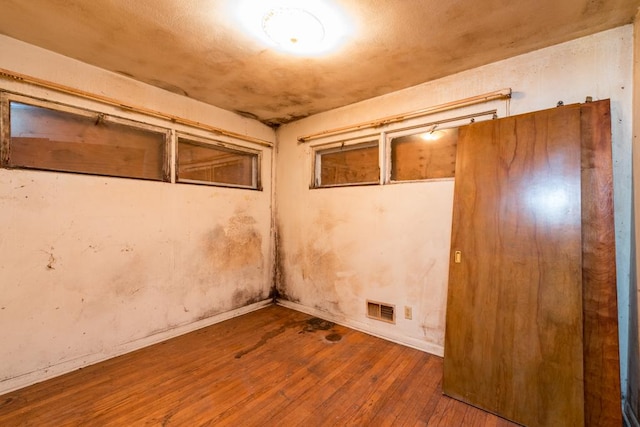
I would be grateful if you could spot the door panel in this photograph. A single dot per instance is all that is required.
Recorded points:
(514, 342)
(600, 307)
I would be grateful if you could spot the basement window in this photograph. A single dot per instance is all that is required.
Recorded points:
(421, 156)
(209, 162)
(355, 164)
(46, 136)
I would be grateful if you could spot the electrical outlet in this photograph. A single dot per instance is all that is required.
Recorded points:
(408, 312)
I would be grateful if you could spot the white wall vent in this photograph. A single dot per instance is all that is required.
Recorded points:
(381, 311)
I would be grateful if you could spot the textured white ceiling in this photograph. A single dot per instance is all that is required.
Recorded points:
(197, 49)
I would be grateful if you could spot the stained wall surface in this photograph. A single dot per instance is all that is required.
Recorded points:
(390, 243)
(91, 267)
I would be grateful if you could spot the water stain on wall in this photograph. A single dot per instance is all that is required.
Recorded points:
(318, 262)
(236, 246)
(432, 333)
(208, 313)
(131, 278)
(233, 259)
(244, 297)
(280, 290)
(278, 281)
(318, 267)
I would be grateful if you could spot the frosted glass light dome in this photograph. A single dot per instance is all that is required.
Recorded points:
(302, 28)
(293, 29)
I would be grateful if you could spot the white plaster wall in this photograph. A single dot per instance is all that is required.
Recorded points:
(390, 243)
(91, 267)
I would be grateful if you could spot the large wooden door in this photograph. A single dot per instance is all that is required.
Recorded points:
(514, 336)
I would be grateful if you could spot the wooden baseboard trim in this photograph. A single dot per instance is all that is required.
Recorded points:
(70, 365)
(427, 347)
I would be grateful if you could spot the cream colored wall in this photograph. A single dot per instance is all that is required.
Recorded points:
(91, 267)
(341, 246)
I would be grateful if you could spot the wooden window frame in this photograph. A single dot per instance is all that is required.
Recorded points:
(383, 138)
(6, 98)
(223, 146)
(319, 151)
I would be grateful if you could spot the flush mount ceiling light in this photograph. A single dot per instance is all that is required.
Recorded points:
(295, 30)
(303, 28)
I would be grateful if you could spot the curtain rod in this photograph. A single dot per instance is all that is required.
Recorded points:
(472, 116)
(135, 108)
(478, 99)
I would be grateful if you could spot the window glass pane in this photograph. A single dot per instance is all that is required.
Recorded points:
(357, 164)
(425, 155)
(208, 163)
(43, 138)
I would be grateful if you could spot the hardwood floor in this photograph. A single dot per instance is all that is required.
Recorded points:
(274, 366)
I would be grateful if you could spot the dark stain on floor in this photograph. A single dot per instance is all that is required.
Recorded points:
(334, 337)
(316, 324)
(312, 325)
(265, 338)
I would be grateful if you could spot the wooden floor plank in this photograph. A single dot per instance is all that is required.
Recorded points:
(291, 392)
(378, 405)
(334, 371)
(274, 367)
(336, 410)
